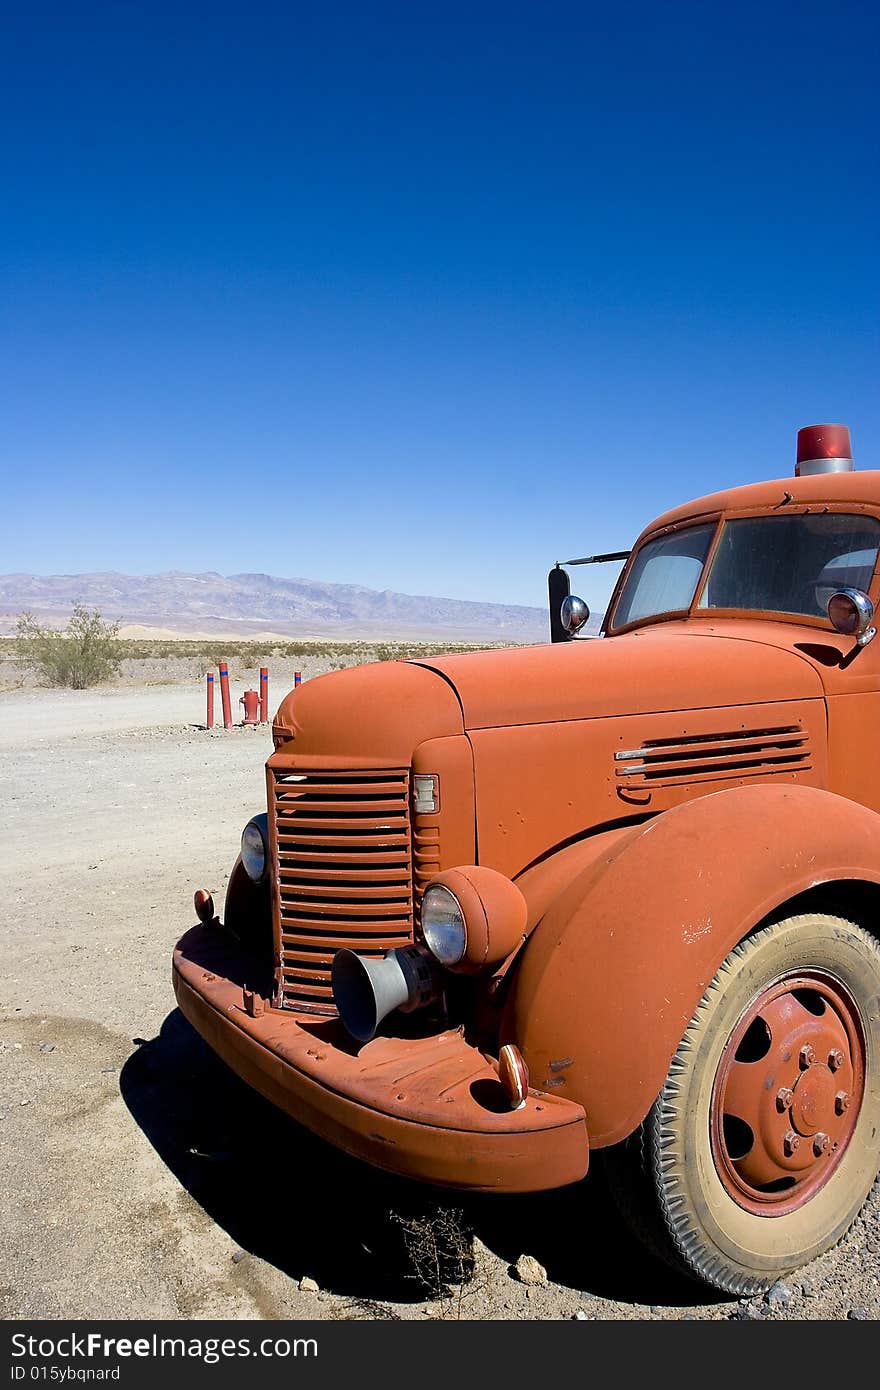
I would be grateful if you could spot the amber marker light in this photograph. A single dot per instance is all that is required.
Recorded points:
(513, 1075)
(204, 905)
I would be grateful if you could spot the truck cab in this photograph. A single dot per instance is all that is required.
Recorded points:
(510, 909)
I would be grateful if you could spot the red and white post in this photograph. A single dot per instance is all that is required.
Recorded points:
(209, 718)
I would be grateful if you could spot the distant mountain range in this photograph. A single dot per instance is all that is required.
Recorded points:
(251, 605)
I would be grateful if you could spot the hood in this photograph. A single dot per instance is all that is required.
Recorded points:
(368, 715)
(663, 668)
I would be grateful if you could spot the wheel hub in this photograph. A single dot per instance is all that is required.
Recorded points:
(787, 1093)
(813, 1106)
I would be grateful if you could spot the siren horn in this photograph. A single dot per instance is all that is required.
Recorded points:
(366, 989)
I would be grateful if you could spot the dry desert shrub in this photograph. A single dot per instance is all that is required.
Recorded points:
(444, 1258)
(86, 653)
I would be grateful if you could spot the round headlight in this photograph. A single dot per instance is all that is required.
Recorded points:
(443, 925)
(473, 918)
(255, 847)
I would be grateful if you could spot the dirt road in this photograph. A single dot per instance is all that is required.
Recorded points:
(141, 1180)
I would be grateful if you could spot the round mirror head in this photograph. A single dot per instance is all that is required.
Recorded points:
(851, 613)
(574, 613)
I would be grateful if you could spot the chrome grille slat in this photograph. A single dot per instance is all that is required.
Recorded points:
(343, 873)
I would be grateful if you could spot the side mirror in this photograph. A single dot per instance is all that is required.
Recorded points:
(851, 613)
(573, 614)
(558, 589)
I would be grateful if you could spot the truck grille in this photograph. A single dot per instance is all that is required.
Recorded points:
(344, 871)
(674, 762)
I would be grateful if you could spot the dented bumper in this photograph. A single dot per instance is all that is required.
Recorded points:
(430, 1108)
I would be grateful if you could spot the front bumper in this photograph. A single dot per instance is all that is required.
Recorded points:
(430, 1108)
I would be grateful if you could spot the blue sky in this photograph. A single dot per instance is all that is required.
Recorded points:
(423, 297)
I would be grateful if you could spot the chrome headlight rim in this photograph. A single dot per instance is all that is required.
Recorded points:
(444, 927)
(255, 848)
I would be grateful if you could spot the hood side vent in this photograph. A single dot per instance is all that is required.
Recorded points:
(674, 762)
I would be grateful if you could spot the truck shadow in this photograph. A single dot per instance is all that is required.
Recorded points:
(295, 1201)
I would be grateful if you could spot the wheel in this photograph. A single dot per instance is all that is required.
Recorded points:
(765, 1140)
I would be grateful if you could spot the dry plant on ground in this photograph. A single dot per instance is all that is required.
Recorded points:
(444, 1258)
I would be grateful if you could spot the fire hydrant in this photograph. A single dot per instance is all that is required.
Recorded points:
(251, 701)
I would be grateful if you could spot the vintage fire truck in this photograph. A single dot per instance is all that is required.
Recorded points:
(512, 907)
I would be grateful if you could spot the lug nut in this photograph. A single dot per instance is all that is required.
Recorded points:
(836, 1059)
(806, 1057)
(841, 1103)
(821, 1144)
(790, 1142)
(784, 1098)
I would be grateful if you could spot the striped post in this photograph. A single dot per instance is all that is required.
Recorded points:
(224, 695)
(264, 694)
(297, 679)
(209, 721)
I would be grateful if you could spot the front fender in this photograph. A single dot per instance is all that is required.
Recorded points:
(248, 911)
(609, 980)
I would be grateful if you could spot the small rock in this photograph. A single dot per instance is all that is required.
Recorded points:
(24, 1102)
(581, 1315)
(528, 1271)
(308, 1285)
(237, 1256)
(779, 1294)
(858, 1314)
(47, 1047)
(751, 1313)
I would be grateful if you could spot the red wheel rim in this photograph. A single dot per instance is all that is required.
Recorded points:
(787, 1093)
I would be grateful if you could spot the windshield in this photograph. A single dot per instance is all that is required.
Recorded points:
(791, 564)
(771, 564)
(664, 575)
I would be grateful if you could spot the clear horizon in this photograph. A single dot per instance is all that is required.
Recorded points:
(422, 299)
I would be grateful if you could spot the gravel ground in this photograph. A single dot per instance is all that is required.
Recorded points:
(161, 672)
(142, 1179)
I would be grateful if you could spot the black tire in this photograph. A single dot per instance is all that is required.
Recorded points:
(665, 1178)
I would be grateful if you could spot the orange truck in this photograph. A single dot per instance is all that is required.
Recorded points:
(512, 907)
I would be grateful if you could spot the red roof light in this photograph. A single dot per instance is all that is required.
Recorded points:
(823, 449)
